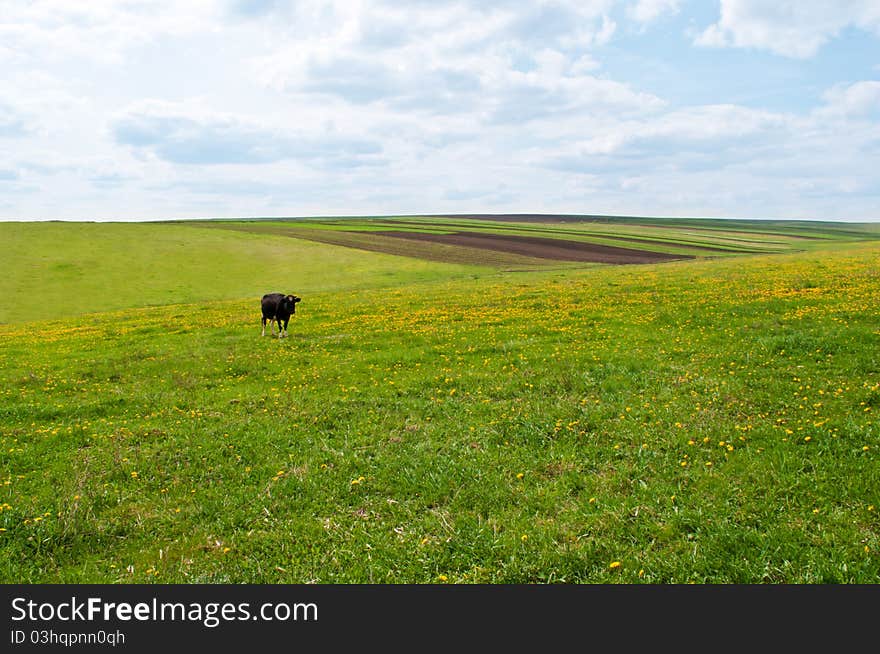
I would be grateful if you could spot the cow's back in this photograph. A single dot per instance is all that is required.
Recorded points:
(270, 304)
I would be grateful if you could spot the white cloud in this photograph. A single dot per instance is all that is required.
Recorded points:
(645, 11)
(860, 99)
(12, 124)
(525, 97)
(792, 28)
(179, 137)
(98, 30)
(695, 137)
(713, 124)
(494, 63)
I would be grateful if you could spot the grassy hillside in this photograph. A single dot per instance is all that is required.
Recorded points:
(696, 421)
(66, 269)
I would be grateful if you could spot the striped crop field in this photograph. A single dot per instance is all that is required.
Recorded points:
(542, 241)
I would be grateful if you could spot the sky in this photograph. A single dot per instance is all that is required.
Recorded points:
(150, 110)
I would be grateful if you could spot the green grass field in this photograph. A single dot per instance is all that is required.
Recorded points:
(712, 420)
(66, 269)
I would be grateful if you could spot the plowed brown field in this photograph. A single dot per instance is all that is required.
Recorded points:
(541, 248)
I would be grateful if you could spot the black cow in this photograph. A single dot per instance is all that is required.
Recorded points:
(278, 307)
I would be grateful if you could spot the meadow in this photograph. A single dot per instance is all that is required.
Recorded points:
(708, 420)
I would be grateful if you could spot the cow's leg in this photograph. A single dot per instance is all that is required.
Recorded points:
(264, 326)
(286, 321)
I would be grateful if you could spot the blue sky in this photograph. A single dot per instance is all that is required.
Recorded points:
(145, 110)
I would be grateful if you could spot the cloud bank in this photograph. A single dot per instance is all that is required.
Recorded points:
(155, 109)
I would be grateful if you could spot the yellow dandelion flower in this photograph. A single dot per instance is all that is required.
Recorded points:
(519, 475)
(614, 565)
(134, 474)
(524, 537)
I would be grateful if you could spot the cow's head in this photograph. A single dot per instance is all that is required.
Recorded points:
(290, 302)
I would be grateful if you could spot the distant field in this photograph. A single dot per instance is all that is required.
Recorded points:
(537, 242)
(708, 419)
(67, 269)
